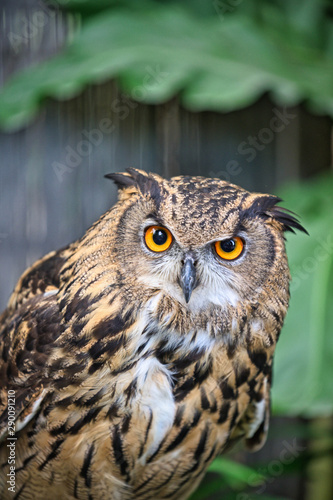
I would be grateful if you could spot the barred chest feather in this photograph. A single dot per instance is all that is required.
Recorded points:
(165, 410)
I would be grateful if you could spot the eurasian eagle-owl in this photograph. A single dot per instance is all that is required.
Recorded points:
(140, 352)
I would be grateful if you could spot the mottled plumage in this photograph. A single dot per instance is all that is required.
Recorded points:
(124, 388)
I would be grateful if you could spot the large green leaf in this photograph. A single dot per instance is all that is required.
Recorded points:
(304, 357)
(230, 474)
(236, 475)
(213, 61)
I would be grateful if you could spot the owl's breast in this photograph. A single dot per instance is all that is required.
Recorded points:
(153, 406)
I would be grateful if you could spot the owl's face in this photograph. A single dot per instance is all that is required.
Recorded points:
(201, 242)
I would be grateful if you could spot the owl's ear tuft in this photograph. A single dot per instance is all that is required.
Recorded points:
(267, 207)
(147, 184)
(133, 180)
(125, 183)
(286, 218)
(122, 181)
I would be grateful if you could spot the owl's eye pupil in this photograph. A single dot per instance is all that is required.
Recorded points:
(160, 237)
(229, 249)
(228, 245)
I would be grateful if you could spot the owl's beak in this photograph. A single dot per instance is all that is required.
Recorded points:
(188, 277)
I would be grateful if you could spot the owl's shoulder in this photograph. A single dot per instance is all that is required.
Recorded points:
(42, 277)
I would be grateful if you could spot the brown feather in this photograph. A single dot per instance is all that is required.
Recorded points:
(131, 391)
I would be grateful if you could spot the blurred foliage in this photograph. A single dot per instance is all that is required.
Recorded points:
(218, 55)
(303, 371)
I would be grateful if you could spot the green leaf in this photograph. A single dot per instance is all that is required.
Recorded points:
(214, 61)
(235, 474)
(206, 490)
(232, 475)
(303, 371)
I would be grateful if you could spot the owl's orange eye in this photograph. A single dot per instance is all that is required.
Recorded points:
(229, 249)
(158, 238)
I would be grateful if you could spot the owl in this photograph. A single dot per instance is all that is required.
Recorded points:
(134, 356)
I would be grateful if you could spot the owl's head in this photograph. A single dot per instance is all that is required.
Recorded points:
(202, 242)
